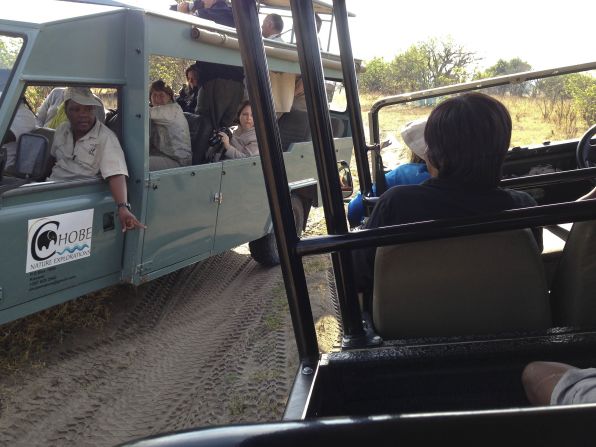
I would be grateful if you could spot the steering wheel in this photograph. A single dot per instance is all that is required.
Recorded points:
(586, 151)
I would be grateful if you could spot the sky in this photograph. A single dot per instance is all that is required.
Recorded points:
(545, 34)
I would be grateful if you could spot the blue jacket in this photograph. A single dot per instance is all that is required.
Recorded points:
(406, 174)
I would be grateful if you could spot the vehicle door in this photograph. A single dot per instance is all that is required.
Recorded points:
(182, 206)
(244, 210)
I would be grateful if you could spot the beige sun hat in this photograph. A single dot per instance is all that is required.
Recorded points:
(83, 96)
(413, 136)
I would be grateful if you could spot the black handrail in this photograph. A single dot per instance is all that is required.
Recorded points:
(276, 182)
(412, 232)
(352, 95)
(322, 136)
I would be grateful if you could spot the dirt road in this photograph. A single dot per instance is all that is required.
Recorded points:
(210, 344)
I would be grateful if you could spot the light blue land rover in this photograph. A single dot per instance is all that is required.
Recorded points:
(63, 239)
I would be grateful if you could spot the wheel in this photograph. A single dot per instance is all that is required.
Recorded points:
(586, 152)
(264, 249)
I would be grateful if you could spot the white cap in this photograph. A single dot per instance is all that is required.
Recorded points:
(413, 136)
(83, 96)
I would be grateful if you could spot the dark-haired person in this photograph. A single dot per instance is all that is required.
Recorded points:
(221, 87)
(244, 139)
(169, 144)
(468, 137)
(272, 27)
(242, 143)
(187, 97)
(412, 173)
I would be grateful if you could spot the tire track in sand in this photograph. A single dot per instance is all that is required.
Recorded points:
(209, 344)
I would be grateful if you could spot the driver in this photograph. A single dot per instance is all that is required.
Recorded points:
(84, 148)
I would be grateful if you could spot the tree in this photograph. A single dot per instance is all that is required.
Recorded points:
(582, 89)
(9, 50)
(409, 70)
(424, 65)
(447, 62)
(376, 77)
(169, 69)
(556, 103)
(503, 67)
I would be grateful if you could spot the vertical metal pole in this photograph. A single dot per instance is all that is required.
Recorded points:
(330, 33)
(274, 171)
(320, 125)
(352, 94)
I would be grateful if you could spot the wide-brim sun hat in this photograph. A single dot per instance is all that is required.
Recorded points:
(413, 135)
(82, 96)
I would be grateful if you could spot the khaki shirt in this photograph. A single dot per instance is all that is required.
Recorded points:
(98, 151)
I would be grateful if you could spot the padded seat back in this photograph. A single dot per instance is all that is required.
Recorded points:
(574, 286)
(293, 128)
(477, 284)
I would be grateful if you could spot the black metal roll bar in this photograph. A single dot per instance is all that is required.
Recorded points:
(276, 182)
(412, 232)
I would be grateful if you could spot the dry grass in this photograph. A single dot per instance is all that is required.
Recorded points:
(24, 342)
(529, 126)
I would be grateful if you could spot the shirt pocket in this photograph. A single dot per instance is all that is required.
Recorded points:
(87, 159)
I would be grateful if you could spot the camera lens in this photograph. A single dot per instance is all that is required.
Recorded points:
(214, 139)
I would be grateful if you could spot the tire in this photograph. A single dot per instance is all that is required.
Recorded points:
(264, 249)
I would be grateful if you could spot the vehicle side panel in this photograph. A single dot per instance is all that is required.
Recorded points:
(181, 215)
(54, 282)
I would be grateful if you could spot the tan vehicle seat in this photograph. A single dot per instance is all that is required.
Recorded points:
(574, 284)
(477, 284)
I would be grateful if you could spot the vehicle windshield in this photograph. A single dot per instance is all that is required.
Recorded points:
(550, 109)
(10, 48)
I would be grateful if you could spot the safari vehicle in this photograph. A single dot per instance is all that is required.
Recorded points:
(61, 239)
(409, 381)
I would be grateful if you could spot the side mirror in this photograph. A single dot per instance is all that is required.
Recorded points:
(345, 179)
(33, 153)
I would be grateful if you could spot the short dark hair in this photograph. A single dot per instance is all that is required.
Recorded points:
(190, 68)
(241, 107)
(468, 137)
(277, 21)
(160, 86)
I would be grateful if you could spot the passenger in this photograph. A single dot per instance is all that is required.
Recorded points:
(187, 98)
(221, 87)
(216, 10)
(552, 383)
(468, 137)
(51, 112)
(243, 142)
(84, 147)
(169, 145)
(23, 122)
(299, 102)
(272, 27)
(411, 173)
(282, 84)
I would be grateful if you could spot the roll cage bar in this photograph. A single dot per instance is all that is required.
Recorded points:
(339, 240)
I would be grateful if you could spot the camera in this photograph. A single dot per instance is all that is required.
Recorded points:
(215, 138)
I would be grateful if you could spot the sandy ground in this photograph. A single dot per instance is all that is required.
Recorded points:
(209, 344)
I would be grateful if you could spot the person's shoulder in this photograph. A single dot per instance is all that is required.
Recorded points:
(401, 193)
(105, 133)
(62, 129)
